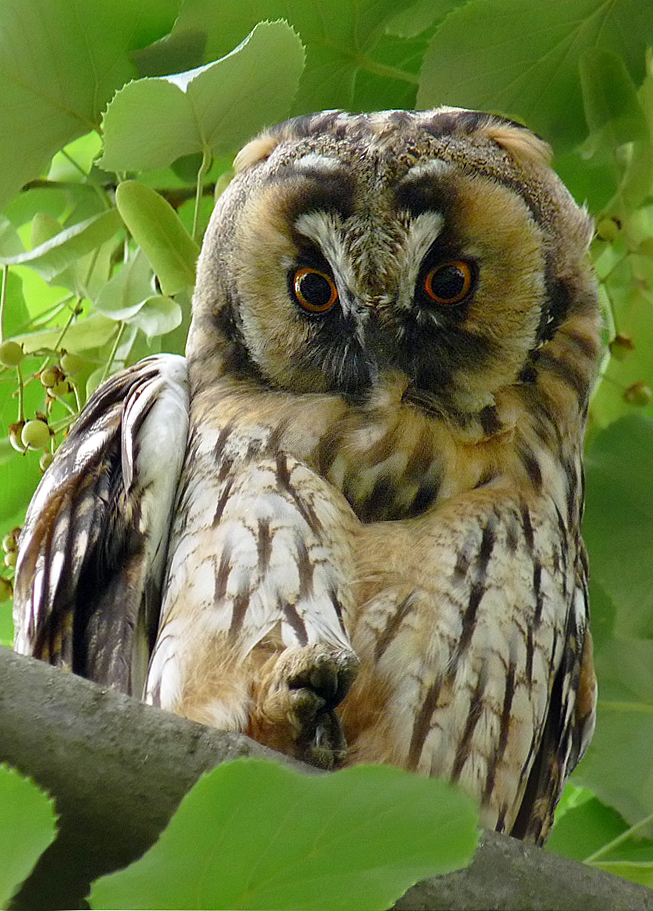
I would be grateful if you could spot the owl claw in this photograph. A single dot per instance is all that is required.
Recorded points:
(296, 710)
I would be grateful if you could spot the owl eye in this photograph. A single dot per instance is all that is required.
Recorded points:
(448, 283)
(315, 291)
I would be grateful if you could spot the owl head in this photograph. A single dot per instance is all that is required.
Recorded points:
(435, 246)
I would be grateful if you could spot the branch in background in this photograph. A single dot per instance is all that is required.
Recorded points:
(118, 769)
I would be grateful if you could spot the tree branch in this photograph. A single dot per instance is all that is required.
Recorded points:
(118, 769)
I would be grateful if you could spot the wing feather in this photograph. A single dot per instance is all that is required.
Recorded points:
(92, 550)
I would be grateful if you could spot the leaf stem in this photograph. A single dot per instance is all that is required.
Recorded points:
(63, 402)
(3, 301)
(640, 708)
(201, 174)
(388, 72)
(21, 394)
(116, 344)
(74, 163)
(618, 840)
(73, 314)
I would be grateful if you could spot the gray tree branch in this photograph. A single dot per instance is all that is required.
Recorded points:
(118, 769)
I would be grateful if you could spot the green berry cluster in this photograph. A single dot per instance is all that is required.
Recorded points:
(56, 376)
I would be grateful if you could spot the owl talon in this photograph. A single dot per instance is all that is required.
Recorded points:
(295, 711)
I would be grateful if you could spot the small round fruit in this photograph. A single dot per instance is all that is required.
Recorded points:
(15, 433)
(71, 363)
(639, 393)
(45, 461)
(621, 346)
(10, 541)
(62, 388)
(11, 354)
(11, 558)
(6, 589)
(608, 229)
(50, 377)
(35, 434)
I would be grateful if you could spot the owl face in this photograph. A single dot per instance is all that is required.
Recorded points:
(351, 249)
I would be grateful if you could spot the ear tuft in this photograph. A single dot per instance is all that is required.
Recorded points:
(255, 151)
(519, 142)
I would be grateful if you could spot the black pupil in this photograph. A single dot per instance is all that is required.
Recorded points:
(448, 282)
(315, 289)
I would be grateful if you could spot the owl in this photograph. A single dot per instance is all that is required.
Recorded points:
(347, 523)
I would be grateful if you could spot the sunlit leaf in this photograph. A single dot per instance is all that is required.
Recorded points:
(124, 294)
(338, 36)
(256, 835)
(258, 79)
(157, 315)
(93, 331)
(27, 827)
(53, 256)
(10, 242)
(156, 227)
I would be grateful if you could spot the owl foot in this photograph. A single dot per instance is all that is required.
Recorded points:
(295, 705)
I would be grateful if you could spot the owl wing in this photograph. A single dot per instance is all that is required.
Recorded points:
(568, 727)
(92, 551)
(475, 636)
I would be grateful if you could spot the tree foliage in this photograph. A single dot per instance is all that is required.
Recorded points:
(120, 122)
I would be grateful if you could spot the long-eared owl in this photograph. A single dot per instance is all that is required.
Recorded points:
(348, 522)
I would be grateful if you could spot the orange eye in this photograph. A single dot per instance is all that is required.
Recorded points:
(315, 291)
(448, 283)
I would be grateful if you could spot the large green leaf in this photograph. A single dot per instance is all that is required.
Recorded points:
(618, 526)
(338, 35)
(27, 827)
(156, 227)
(619, 763)
(151, 122)
(60, 63)
(610, 97)
(50, 258)
(521, 57)
(256, 835)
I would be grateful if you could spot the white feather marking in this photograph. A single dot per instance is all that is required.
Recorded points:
(423, 230)
(315, 162)
(323, 228)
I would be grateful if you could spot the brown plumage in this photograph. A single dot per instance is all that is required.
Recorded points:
(375, 548)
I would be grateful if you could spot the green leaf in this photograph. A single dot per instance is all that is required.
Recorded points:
(16, 315)
(51, 258)
(93, 331)
(256, 835)
(618, 766)
(157, 229)
(60, 63)
(618, 525)
(418, 17)
(27, 827)
(610, 97)
(10, 242)
(521, 57)
(124, 293)
(338, 36)
(157, 316)
(636, 872)
(151, 122)
(128, 297)
(584, 829)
